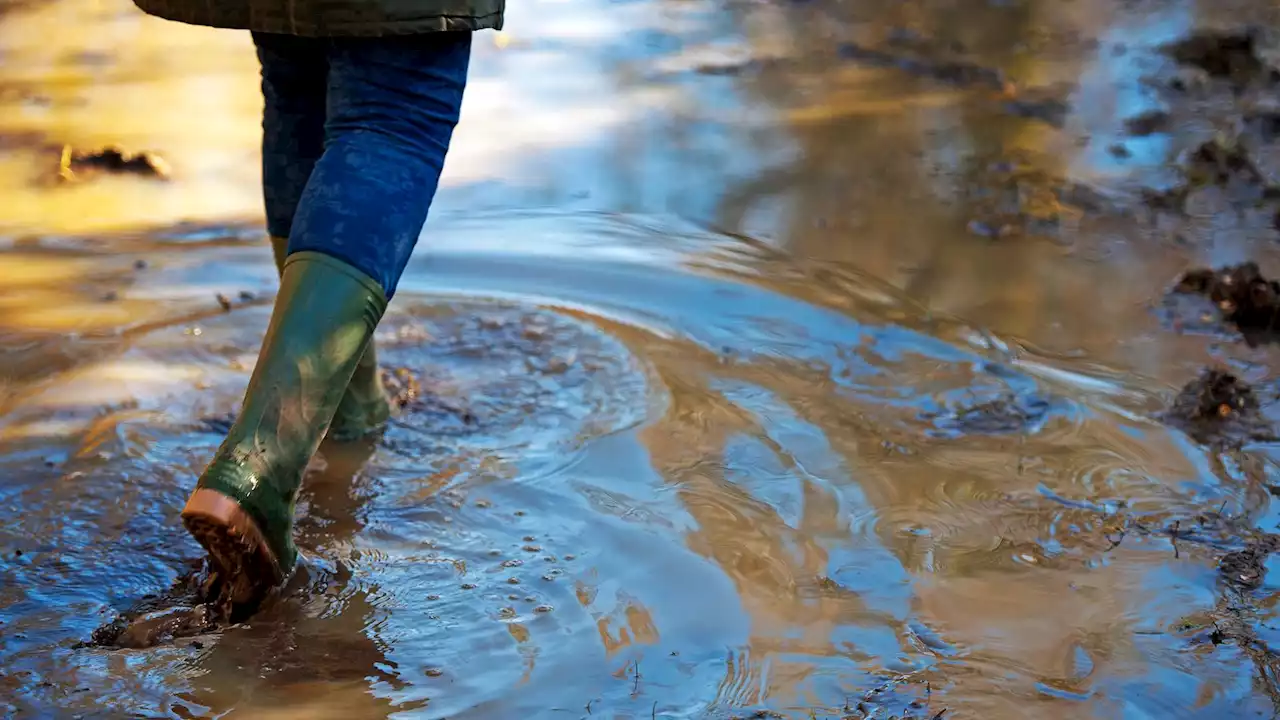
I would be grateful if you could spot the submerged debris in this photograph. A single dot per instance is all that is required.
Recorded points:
(1008, 414)
(1247, 299)
(1246, 568)
(75, 164)
(1012, 197)
(1217, 408)
(411, 392)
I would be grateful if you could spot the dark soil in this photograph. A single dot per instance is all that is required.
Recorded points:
(1246, 299)
(1217, 408)
(76, 165)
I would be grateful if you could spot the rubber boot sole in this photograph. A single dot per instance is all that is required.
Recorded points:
(238, 548)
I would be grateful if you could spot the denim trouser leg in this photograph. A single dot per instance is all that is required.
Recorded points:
(387, 107)
(295, 80)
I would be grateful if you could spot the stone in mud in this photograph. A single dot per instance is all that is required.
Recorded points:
(111, 160)
(1217, 408)
(1247, 299)
(1231, 55)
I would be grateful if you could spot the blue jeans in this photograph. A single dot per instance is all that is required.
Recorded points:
(354, 136)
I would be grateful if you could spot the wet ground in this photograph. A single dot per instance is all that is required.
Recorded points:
(760, 359)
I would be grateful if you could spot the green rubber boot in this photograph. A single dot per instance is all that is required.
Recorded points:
(364, 408)
(242, 508)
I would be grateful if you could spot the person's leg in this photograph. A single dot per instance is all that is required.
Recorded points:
(295, 85)
(295, 82)
(392, 105)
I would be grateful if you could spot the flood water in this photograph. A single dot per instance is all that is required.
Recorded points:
(731, 403)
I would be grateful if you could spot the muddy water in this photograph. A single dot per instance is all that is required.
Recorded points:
(803, 360)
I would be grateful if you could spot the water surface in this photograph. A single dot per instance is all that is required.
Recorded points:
(728, 404)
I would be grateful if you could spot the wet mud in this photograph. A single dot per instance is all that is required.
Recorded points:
(195, 606)
(458, 379)
(81, 165)
(1242, 297)
(1218, 408)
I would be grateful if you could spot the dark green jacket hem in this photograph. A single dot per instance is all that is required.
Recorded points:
(193, 13)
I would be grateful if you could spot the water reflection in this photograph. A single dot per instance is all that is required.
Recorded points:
(846, 448)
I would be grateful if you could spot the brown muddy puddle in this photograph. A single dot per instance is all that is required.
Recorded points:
(799, 360)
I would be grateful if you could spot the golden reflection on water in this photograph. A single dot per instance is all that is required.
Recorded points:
(92, 75)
